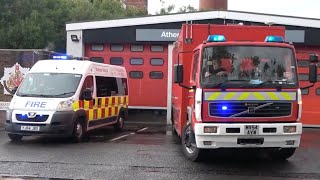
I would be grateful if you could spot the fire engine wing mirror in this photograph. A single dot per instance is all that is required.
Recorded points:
(178, 73)
(313, 68)
(87, 94)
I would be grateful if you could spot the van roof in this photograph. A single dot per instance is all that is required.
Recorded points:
(78, 67)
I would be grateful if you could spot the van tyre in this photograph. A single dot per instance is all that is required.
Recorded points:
(15, 137)
(282, 154)
(120, 123)
(189, 148)
(78, 131)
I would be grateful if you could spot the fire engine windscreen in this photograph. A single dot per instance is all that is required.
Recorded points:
(55, 85)
(266, 66)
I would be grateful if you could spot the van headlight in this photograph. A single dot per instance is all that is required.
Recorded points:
(65, 105)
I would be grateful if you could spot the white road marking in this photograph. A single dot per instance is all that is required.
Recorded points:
(126, 135)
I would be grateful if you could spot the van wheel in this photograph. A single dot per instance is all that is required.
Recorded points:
(120, 123)
(78, 131)
(282, 154)
(15, 137)
(189, 146)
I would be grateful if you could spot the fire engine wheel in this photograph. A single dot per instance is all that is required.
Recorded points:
(189, 146)
(282, 154)
(120, 123)
(15, 137)
(78, 131)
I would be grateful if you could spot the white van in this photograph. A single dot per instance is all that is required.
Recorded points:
(68, 98)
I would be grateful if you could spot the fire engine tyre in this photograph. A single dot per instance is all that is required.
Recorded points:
(120, 123)
(190, 150)
(15, 137)
(282, 154)
(78, 131)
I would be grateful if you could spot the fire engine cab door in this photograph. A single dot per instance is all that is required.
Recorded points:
(193, 79)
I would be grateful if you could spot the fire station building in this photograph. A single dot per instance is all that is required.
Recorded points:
(143, 45)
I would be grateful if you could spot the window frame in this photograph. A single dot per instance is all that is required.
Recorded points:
(116, 45)
(156, 72)
(110, 60)
(130, 61)
(97, 44)
(136, 72)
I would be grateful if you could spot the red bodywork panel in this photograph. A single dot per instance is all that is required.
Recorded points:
(234, 34)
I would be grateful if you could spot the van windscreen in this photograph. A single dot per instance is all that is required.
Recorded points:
(55, 85)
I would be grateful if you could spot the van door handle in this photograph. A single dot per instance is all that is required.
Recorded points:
(174, 97)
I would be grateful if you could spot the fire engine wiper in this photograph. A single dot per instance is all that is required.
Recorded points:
(226, 81)
(278, 83)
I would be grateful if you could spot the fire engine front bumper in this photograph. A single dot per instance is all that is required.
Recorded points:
(279, 135)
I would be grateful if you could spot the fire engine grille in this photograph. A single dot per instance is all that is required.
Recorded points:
(250, 109)
(37, 118)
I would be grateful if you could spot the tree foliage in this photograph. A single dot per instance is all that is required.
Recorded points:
(38, 24)
(171, 9)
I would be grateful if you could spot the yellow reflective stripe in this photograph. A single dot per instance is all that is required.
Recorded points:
(106, 112)
(113, 111)
(99, 113)
(86, 105)
(259, 96)
(109, 101)
(229, 96)
(122, 100)
(90, 114)
(103, 102)
(273, 95)
(244, 96)
(214, 96)
(286, 95)
(116, 102)
(76, 105)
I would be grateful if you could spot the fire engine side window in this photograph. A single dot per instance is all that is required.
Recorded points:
(87, 84)
(106, 86)
(195, 63)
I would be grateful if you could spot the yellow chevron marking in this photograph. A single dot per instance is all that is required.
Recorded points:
(90, 114)
(286, 95)
(244, 96)
(214, 96)
(229, 96)
(99, 113)
(273, 95)
(258, 95)
(86, 105)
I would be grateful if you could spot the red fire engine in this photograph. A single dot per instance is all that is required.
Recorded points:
(236, 86)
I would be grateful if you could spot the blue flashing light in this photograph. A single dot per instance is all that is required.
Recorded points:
(216, 38)
(224, 108)
(60, 57)
(278, 39)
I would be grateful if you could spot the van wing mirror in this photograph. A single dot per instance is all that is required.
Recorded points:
(87, 94)
(178, 73)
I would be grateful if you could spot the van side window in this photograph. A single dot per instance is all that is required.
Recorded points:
(106, 86)
(122, 86)
(88, 83)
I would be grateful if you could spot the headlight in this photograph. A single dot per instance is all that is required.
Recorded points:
(65, 105)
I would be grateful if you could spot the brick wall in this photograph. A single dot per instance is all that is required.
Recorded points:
(205, 5)
(141, 4)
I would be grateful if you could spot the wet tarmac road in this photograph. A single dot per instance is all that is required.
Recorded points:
(146, 152)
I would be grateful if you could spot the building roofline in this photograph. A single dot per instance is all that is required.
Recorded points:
(180, 17)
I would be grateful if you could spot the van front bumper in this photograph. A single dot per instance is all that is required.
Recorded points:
(61, 124)
(234, 136)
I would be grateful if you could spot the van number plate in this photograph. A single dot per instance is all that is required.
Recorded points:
(30, 128)
(251, 130)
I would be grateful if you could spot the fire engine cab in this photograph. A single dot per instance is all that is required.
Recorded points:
(68, 97)
(236, 86)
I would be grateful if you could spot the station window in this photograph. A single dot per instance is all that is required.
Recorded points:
(156, 75)
(97, 47)
(136, 61)
(116, 61)
(303, 63)
(318, 91)
(305, 91)
(303, 77)
(156, 61)
(156, 48)
(136, 48)
(136, 74)
(97, 59)
(106, 86)
(116, 47)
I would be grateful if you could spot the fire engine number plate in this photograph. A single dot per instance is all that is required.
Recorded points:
(30, 128)
(251, 130)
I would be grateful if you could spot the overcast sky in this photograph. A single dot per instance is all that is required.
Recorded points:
(302, 8)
